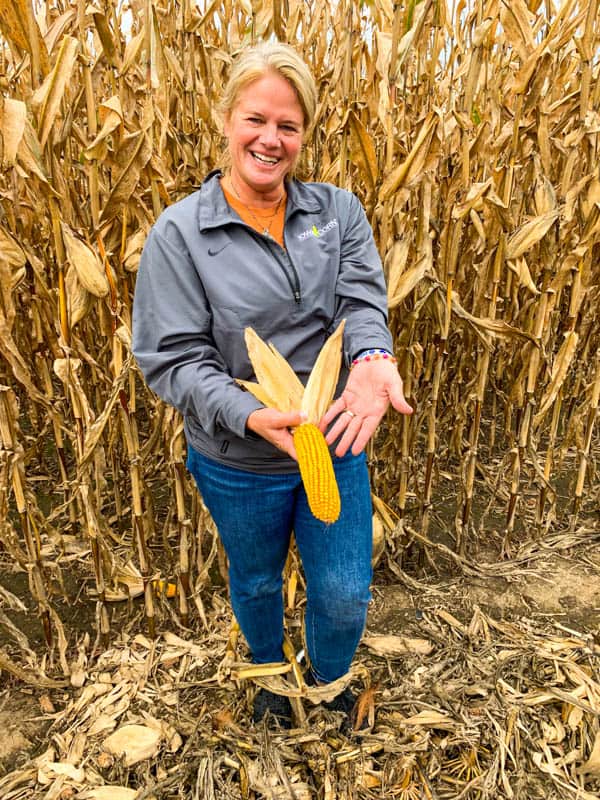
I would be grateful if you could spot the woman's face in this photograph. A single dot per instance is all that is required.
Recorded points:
(264, 131)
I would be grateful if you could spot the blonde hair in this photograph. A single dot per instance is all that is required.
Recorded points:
(255, 62)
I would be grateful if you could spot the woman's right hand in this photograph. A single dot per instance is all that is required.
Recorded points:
(274, 426)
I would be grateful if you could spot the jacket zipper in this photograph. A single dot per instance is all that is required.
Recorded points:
(291, 274)
(293, 279)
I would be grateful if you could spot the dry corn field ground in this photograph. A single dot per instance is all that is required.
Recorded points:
(471, 132)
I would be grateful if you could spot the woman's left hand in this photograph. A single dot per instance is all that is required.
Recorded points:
(371, 387)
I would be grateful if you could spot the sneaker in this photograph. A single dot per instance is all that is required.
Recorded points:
(276, 706)
(344, 703)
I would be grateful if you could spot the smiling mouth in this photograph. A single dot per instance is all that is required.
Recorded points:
(264, 159)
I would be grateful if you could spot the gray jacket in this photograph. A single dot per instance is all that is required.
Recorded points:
(205, 275)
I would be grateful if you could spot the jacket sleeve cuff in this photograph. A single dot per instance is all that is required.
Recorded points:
(245, 405)
(369, 336)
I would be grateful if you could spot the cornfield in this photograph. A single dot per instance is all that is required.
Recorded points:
(471, 133)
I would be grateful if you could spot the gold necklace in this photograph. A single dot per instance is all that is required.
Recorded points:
(260, 222)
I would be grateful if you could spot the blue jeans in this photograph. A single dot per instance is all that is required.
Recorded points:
(255, 515)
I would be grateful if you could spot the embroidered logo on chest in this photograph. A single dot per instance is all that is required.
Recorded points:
(318, 232)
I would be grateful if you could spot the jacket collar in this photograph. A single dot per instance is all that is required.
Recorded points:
(214, 210)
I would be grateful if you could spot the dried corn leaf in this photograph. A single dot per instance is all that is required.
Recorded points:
(130, 576)
(111, 116)
(407, 282)
(419, 12)
(494, 326)
(431, 719)
(175, 67)
(323, 378)
(544, 196)
(13, 114)
(593, 197)
(517, 22)
(266, 782)
(560, 369)
(67, 370)
(158, 65)
(58, 28)
(529, 234)
(48, 773)
(9, 281)
(364, 152)
(390, 646)
(12, 354)
(473, 200)
(14, 23)
(521, 269)
(413, 162)
(135, 153)
(102, 724)
(29, 157)
(19, 26)
(183, 646)
(592, 765)
(132, 51)
(106, 37)
(451, 620)
(395, 263)
(10, 250)
(87, 264)
(94, 431)
(111, 792)
(50, 94)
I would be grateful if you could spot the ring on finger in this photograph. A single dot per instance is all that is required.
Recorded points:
(351, 414)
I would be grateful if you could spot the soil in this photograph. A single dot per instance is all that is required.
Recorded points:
(494, 619)
(20, 731)
(558, 590)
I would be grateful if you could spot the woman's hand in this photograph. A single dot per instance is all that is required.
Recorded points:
(371, 387)
(274, 426)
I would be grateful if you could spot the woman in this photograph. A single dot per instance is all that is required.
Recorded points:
(255, 247)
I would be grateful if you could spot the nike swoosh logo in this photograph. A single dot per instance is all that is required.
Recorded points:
(214, 251)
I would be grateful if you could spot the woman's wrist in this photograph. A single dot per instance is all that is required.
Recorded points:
(373, 354)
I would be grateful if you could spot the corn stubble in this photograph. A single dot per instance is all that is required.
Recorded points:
(471, 134)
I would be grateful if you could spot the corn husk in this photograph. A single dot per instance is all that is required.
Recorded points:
(86, 263)
(133, 743)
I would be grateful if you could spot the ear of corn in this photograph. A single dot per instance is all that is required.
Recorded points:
(317, 472)
(279, 387)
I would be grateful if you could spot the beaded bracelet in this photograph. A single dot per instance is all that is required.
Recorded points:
(372, 355)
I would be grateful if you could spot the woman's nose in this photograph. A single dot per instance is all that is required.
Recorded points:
(269, 135)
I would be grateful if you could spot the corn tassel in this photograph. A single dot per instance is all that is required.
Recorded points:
(317, 472)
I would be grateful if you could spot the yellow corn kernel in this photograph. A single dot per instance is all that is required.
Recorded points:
(317, 472)
(162, 587)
